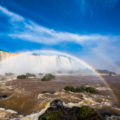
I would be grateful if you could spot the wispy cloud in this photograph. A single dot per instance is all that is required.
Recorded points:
(31, 31)
(36, 33)
(28, 30)
(10, 14)
(88, 6)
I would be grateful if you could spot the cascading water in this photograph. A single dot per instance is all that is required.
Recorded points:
(43, 62)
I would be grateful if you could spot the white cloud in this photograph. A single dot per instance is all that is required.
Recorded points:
(13, 16)
(37, 33)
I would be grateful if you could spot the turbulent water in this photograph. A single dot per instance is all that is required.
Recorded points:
(43, 62)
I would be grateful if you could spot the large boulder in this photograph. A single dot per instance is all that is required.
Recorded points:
(56, 104)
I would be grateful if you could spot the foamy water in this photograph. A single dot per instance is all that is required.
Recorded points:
(43, 62)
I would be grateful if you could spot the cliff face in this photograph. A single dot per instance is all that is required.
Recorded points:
(4, 55)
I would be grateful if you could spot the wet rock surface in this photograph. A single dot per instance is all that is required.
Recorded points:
(112, 117)
(56, 104)
(48, 92)
(58, 112)
(3, 96)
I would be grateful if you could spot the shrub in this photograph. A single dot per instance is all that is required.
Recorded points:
(80, 89)
(51, 115)
(91, 90)
(48, 77)
(25, 76)
(87, 113)
(30, 75)
(69, 88)
(21, 77)
(83, 88)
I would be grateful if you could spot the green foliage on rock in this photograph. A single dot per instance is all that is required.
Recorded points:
(91, 90)
(59, 112)
(69, 88)
(87, 113)
(21, 77)
(80, 89)
(48, 77)
(52, 115)
(30, 75)
(27, 75)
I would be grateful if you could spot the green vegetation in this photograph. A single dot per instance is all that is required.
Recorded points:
(83, 113)
(52, 115)
(48, 77)
(80, 89)
(30, 75)
(91, 90)
(25, 76)
(87, 113)
(21, 77)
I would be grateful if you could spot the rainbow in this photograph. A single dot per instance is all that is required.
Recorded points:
(101, 78)
(65, 54)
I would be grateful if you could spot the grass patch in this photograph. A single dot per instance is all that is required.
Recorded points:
(48, 77)
(81, 89)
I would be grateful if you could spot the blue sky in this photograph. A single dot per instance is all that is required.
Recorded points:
(88, 29)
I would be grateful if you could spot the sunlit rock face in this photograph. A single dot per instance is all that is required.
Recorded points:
(43, 62)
